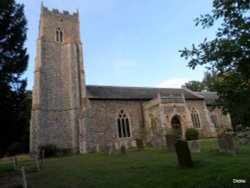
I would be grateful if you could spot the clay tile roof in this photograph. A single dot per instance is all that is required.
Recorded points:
(210, 97)
(135, 93)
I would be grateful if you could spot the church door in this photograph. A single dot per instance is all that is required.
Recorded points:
(176, 125)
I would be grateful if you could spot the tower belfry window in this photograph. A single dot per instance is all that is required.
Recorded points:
(59, 35)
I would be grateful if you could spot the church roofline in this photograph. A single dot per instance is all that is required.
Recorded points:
(210, 97)
(135, 93)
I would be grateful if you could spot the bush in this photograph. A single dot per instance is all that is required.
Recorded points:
(50, 150)
(192, 134)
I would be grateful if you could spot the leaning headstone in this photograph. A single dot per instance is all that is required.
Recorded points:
(110, 149)
(24, 177)
(157, 141)
(225, 142)
(183, 153)
(195, 147)
(123, 150)
(139, 144)
(170, 140)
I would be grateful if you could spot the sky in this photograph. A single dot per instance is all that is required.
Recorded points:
(129, 42)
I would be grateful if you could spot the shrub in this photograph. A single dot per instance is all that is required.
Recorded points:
(192, 134)
(50, 150)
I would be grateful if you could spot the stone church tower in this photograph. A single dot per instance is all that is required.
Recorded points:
(59, 92)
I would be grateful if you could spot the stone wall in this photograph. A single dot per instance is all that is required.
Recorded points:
(102, 122)
(207, 129)
(223, 119)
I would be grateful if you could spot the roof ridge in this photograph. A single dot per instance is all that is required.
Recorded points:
(139, 87)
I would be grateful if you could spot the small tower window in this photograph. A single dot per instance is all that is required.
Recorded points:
(123, 125)
(195, 118)
(59, 35)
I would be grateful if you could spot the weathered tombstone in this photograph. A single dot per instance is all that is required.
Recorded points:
(156, 141)
(170, 140)
(110, 149)
(24, 177)
(37, 164)
(123, 150)
(225, 142)
(195, 147)
(183, 153)
(139, 144)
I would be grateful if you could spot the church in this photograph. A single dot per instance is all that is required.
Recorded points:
(85, 118)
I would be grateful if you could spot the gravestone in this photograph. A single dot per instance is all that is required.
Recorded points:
(139, 144)
(183, 153)
(195, 147)
(170, 141)
(110, 149)
(157, 141)
(225, 142)
(123, 150)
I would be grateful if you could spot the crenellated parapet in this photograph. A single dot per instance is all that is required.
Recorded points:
(55, 13)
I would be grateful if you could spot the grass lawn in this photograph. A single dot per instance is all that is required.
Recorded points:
(149, 168)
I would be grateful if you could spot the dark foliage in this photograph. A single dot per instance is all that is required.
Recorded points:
(192, 134)
(14, 103)
(228, 54)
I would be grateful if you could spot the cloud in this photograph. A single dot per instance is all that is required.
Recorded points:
(173, 83)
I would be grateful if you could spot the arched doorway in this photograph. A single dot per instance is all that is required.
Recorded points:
(176, 125)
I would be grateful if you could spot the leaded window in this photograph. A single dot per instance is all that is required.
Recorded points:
(214, 120)
(195, 118)
(123, 125)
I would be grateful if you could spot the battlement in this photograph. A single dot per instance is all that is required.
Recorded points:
(57, 13)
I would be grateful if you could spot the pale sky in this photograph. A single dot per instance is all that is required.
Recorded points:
(129, 42)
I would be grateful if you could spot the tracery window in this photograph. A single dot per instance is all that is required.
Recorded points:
(214, 120)
(195, 118)
(59, 35)
(123, 125)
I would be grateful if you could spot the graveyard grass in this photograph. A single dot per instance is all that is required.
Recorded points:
(140, 169)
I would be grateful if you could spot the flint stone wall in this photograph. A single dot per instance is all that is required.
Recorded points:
(102, 122)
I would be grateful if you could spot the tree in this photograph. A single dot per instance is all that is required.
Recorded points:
(210, 82)
(228, 54)
(195, 85)
(13, 63)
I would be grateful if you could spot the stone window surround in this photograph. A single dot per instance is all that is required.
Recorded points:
(129, 124)
(59, 35)
(195, 115)
(214, 120)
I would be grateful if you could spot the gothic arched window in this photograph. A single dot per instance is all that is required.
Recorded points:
(214, 120)
(123, 125)
(195, 118)
(59, 35)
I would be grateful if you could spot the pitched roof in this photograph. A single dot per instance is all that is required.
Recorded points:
(210, 97)
(135, 93)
